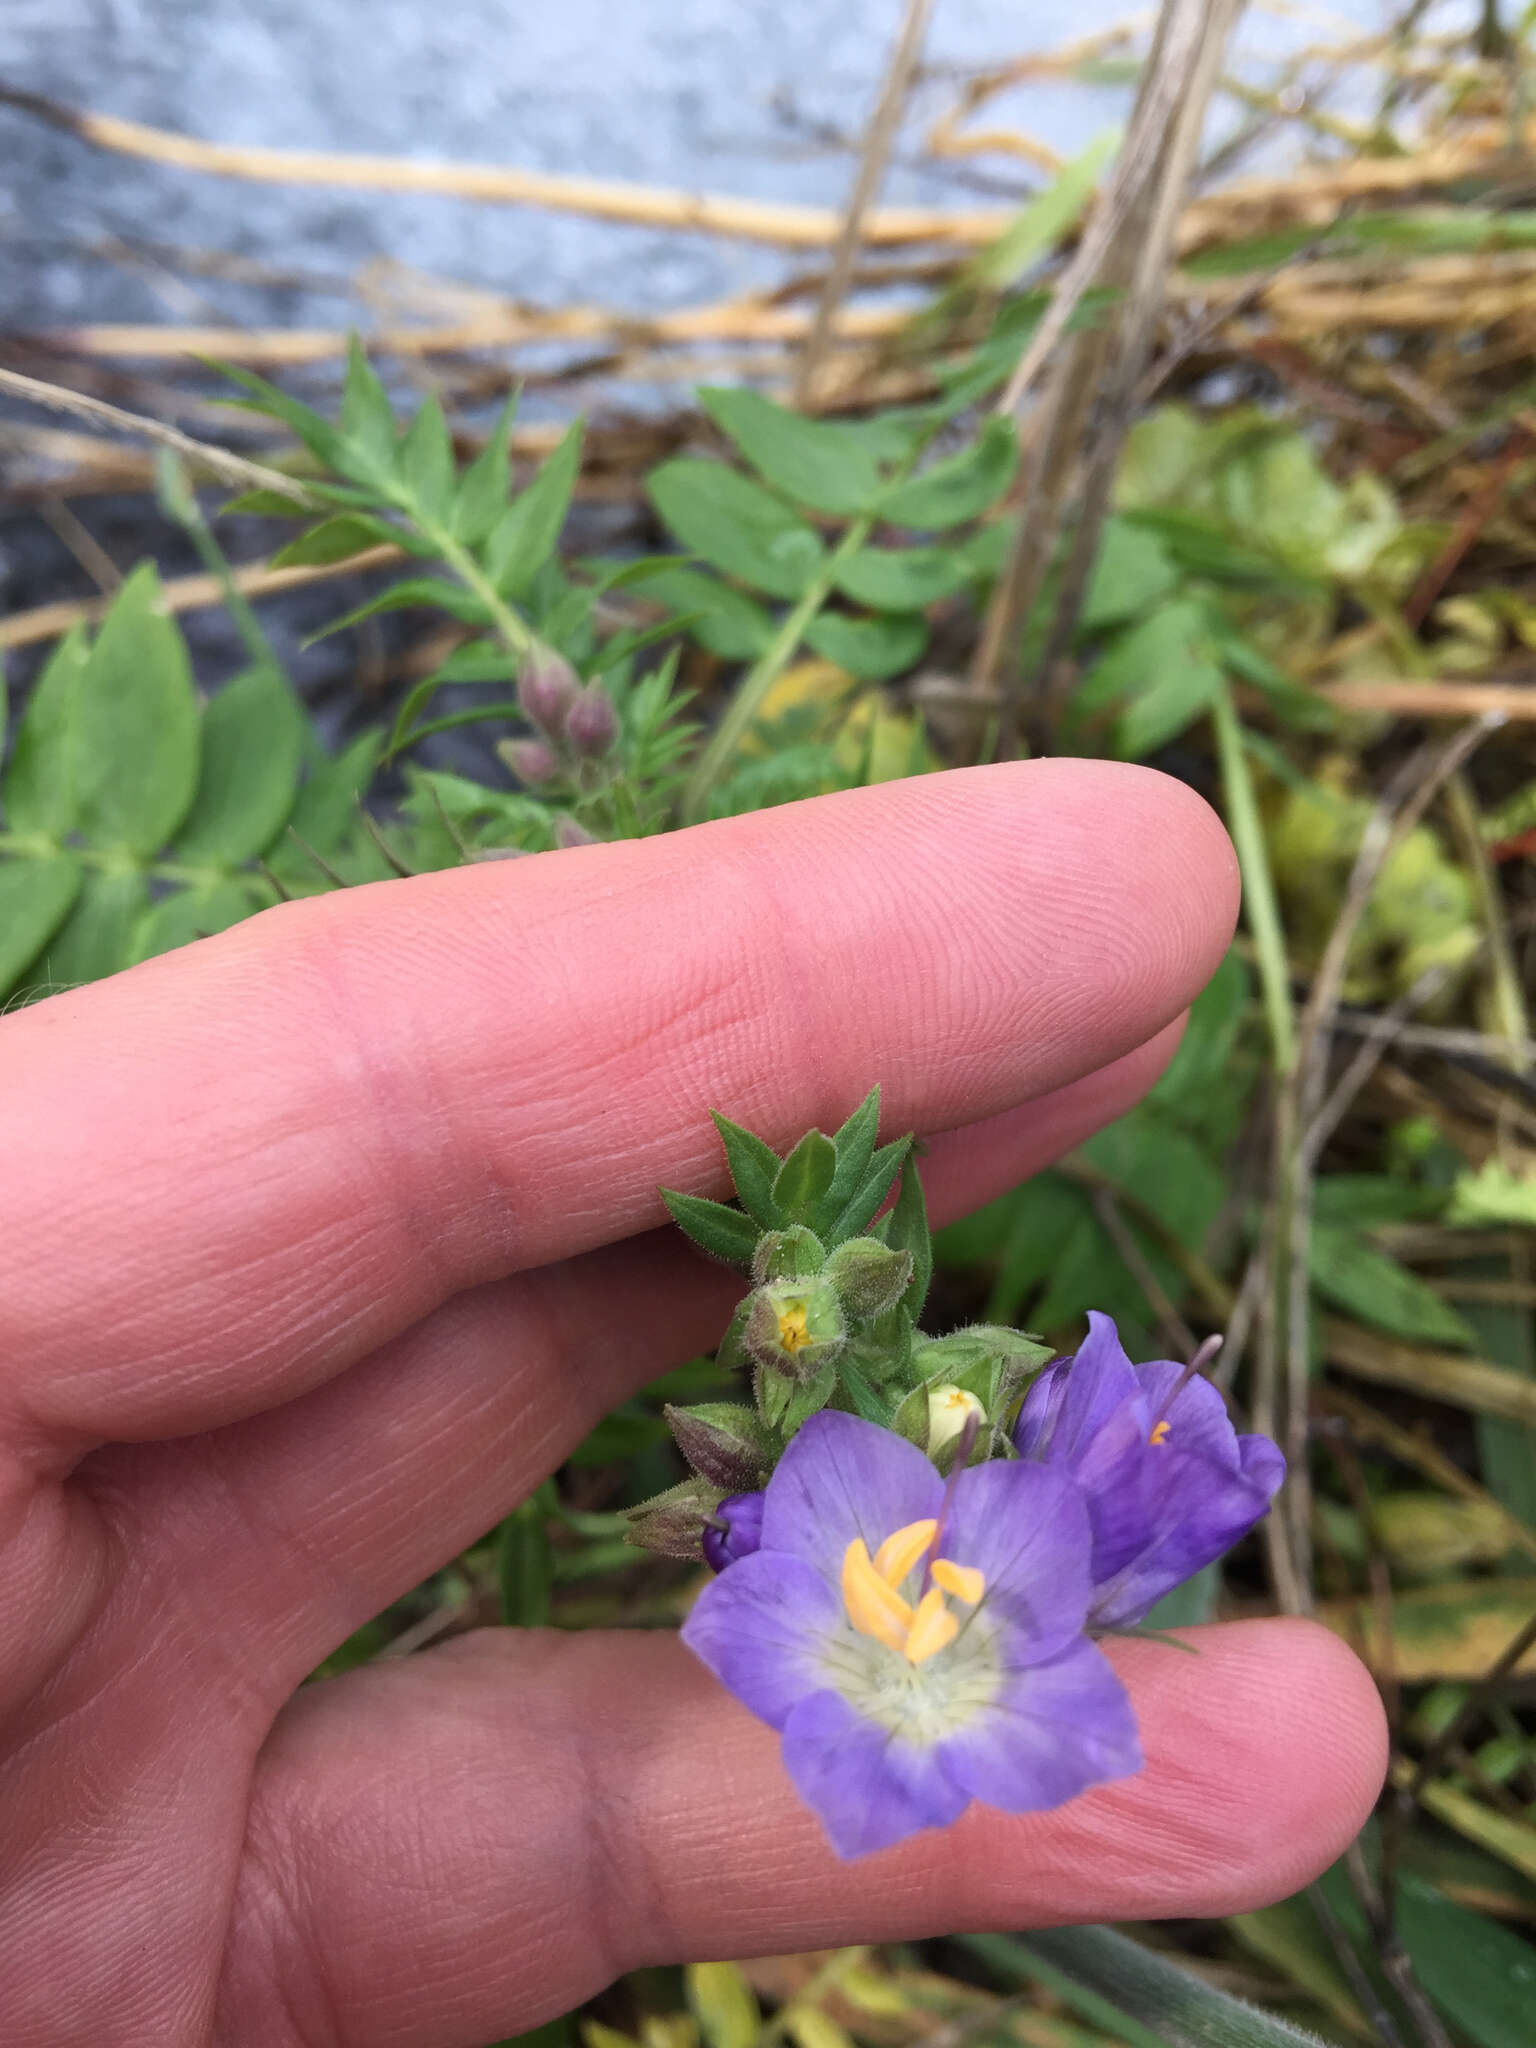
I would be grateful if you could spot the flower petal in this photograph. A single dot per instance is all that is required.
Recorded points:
(868, 1789)
(1202, 1508)
(1070, 1403)
(1195, 1412)
(1056, 1729)
(1025, 1528)
(760, 1626)
(841, 1478)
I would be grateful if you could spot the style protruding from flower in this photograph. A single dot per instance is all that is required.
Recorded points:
(917, 1645)
(1168, 1483)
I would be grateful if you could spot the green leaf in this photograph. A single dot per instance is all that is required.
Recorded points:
(190, 914)
(99, 935)
(736, 525)
(1040, 224)
(723, 1233)
(1165, 667)
(327, 804)
(487, 483)
(1204, 1058)
(865, 1400)
(871, 1191)
(336, 540)
(36, 895)
(724, 2004)
(1354, 1275)
(264, 505)
(426, 461)
(754, 1168)
(252, 747)
(961, 486)
(134, 742)
(367, 420)
(854, 1143)
(527, 533)
(1481, 1975)
(869, 648)
(39, 790)
(317, 434)
(813, 462)
(1132, 572)
(525, 1565)
(432, 593)
(804, 1178)
(902, 579)
(906, 1230)
(723, 619)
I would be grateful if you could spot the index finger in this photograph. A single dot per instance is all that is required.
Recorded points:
(238, 1168)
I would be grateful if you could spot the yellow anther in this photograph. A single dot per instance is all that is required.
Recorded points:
(933, 1628)
(900, 1552)
(963, 1580)
(874, 1606)
(1159, 1434)
(793, 1335)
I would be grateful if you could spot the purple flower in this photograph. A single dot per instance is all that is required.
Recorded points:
(917, 1646)
(1169, 1485)
(742, 1514)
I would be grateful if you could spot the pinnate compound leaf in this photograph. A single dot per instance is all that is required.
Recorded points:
(723, 1232)
(959, 487)
(40, 789)
(253, 745)
(134, 738)
(813, 462)
(527, 533)
(326, 809)
(754, 1168)
(871, 649)
(737, 525)
(902, 579)
(723, 619)
(36, 895)
(804, 1178)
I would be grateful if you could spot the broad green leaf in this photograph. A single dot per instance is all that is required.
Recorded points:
(1354, 1275)
(723, 1233)
(804, 1177)
(1162, 670)
(902, 579)
(336, 540)
(720, 617)
(326, 810)
(812, 462)
(487, 483)
(98, 937)
(1289, 1937)
(869, 648)
(36, 895)
(1166, 1169)
(526, 535)
(135, 725)
(189, 914)
(1131, 573)
(367, 420)
(1203, 1060)
(959, 487)
(736, 525)
(426, 461)
(1162, 712)
(1366, 1199)
(754, 1168)
(40, 791)
(1481, 1975)
(724, 2004)
(253, 744)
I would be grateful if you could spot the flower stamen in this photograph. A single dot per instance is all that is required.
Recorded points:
(877, 1609)
(1160, 1432)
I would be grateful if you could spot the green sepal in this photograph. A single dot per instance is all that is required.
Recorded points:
(804, 1178)
(905, 1229)
(793, 1254)
(822, 1334)
(862, 1205)
(785, 1405)
(854, 1143)
(722, 1232)
(870, 1277)
(673, 1523)
(866, 1401)
(754, 1168)
(911, 1417)
(725, 1442)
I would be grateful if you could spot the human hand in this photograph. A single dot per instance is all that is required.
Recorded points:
(327, 1239)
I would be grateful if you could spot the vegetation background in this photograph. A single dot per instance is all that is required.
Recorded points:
(1214, 453)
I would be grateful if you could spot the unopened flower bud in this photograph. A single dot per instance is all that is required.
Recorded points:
(673, 1523)
(868, 1275)
(724, 1442)
(949, 1410)
(546, 689)
(795, 1327)
(591, 724)
(793, 1254)
(569, 833)
(533, 762)
(742, 1533)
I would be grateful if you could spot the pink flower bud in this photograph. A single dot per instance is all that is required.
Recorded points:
(547, 689)
(590, 725)
(533, 762)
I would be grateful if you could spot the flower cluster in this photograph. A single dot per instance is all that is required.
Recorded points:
(912, 1561)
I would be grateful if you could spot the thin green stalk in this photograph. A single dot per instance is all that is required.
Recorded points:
(765, 672)
(1259, 900)
(28, 846)
(179, 500)
(517, 635)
